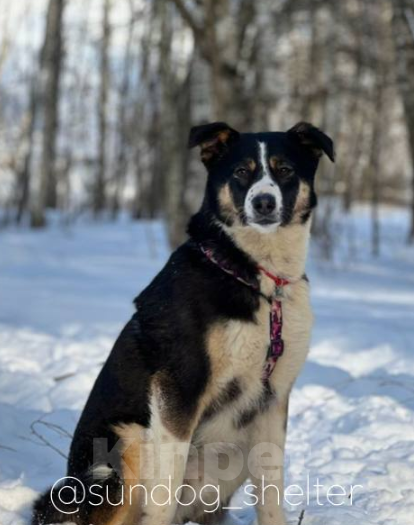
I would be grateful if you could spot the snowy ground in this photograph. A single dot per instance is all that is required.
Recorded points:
(65, 294)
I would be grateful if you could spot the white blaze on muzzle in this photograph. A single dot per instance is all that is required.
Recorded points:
(266, 185)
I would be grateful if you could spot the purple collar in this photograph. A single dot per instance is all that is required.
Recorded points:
(276, 345)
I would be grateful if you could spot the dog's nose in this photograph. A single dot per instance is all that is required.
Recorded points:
(264, 204)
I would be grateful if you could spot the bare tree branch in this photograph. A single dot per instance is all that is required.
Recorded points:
(189, 19)
(56, 428)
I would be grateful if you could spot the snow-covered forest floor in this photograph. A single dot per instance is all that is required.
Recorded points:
(66, 292)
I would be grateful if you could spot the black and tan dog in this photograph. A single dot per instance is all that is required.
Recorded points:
(183, 400)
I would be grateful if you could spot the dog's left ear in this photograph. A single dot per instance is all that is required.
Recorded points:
(314, 139)
(214, 140)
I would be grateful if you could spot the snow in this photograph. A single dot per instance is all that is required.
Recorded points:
(66, 292)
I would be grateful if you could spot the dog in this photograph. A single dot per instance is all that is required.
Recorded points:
(195, 392)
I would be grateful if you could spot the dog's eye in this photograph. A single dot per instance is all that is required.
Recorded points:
(285, 171)
(241, 174)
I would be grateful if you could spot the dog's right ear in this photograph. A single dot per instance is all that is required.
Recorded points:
(214, 140)
(315, 140)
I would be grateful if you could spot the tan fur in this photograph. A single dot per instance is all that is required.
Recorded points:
(131, 437)
(207, 152)
(223, 136)
(274, 162)
(251, 164)
(227, 207)
(302, 202)
(209, 148)
(270, 428)
(282, 252)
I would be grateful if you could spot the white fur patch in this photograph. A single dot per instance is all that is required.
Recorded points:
(263, 158)
(265, 185)
(101, 472)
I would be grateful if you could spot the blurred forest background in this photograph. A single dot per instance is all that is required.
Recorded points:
(97, 98)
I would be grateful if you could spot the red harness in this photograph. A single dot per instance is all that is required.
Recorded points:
(276, 345)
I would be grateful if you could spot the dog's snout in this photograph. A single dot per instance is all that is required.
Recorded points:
(264, 204)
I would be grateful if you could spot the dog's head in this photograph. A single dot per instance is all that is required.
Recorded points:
(260, 180)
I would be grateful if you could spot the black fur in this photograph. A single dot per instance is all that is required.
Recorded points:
(230, 393)
(262, 404)
(208, 132)
(313, 138)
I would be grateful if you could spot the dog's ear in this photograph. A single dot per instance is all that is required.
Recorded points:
(314, 139)
(214, 140)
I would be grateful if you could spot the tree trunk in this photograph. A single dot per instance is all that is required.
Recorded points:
(403, 30)
(176, 111)
(123, 136)
(99, 193)
(220, 40)
(48, 98)
(374, 167)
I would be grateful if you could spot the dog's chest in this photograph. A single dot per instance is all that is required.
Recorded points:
(238, 352)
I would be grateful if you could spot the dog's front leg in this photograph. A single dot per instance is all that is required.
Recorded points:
(266, 461)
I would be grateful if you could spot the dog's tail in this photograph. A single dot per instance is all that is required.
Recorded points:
(49, 509)
(72, 501)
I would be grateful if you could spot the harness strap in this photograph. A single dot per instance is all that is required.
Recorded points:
(276, 345)
(279, 281)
